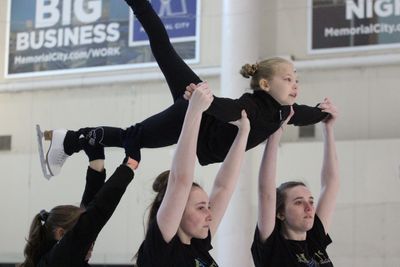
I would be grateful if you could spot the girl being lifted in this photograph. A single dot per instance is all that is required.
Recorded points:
(275, 86)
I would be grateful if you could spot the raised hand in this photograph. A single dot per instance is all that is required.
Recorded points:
(201, 97)
(243, 123)
(191, 88)
(284, 123)
(189, 91)
(328, 107)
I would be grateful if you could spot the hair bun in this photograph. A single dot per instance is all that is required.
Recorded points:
(160, 183)
(248, 70)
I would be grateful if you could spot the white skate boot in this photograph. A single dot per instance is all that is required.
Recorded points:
(56, 156)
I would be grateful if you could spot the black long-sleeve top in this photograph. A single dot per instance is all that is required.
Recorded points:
(265, 115)
(100, 200)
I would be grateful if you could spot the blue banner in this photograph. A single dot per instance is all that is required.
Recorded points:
(179, 18)
(64, 36)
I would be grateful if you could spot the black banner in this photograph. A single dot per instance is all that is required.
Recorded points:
(354, 25)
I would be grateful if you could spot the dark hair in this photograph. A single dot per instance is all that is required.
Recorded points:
(159, 186)
(281, 194)
(262, 70)
(41, 231)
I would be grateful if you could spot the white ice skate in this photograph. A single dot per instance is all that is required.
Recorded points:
(55, 157)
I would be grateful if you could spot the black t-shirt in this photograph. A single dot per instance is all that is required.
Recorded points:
(155, 252)
(277, 251)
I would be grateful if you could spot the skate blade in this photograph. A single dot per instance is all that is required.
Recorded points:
(43, 163)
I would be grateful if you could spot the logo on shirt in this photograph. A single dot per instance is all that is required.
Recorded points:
(200, 263)
(318, 259)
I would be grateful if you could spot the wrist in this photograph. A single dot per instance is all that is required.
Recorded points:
(132, 164)
(243, 130)
(278, 133)
(97, 165)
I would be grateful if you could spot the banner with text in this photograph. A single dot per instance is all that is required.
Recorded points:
(348, 25)
(64, 36)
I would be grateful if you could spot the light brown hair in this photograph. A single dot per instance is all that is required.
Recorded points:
(265, 69)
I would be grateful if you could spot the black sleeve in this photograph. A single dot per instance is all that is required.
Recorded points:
(273, 251)
(317, 234)
(227, 109)
(94, 181)
(304, 115)
(71, 250)
(154, 251)
(261, 251)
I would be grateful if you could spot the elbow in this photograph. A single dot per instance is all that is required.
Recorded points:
(183, 177)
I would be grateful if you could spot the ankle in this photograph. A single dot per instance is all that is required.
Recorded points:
(71, 143)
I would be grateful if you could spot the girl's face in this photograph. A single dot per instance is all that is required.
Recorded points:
(283, 86)
(197, 216)
(299, 212)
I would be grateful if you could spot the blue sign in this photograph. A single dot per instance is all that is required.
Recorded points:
(178, 16)
(53, 36)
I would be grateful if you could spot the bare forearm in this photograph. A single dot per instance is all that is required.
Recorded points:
(185, 154)
(267, 186)
(230, 168)
(330, 167)
(228, 175)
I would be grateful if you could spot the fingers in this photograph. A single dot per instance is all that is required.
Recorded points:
(203, 88)
(187, 94)
(201, 97)
(131, 163)
(244, 114)
(192, 87)
(243, 123)
(328, 107)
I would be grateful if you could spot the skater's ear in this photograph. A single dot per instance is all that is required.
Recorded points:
(58, 233)
(264, 84)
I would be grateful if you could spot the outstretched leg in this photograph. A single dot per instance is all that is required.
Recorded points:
(159, 130)
(177, 73)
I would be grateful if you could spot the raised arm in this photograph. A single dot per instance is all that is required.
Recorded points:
(228, 174)
(95, 174)
(267, 183)
(330, 168)
(182, 170)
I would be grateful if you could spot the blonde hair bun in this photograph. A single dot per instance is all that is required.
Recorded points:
(248, 70)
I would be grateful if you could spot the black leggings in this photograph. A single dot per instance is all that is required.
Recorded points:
(162, 129)
(177, 73)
